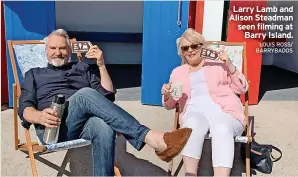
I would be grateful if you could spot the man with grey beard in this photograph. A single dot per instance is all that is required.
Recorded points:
(91, 113)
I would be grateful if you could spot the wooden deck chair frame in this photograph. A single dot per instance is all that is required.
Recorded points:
(248, 128)
(29, 146)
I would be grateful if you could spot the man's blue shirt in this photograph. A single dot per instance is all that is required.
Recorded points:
(40, 85)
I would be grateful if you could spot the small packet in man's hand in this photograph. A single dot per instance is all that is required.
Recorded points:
(80, 46)
(208, 53)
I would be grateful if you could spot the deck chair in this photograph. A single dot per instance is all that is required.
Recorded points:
(28, 54)
(237, 54)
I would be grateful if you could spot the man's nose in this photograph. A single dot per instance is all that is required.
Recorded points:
(58, 52)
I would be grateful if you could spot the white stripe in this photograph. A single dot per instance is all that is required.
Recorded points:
(213, 19)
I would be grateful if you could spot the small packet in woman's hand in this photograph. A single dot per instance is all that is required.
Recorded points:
(209, 54)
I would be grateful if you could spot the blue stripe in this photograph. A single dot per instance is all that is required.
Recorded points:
(106, 36)
(25, 20)
(159, 47)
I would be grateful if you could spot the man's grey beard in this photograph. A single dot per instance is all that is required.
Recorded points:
(58, 62)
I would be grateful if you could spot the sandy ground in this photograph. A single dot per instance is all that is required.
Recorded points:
(275, 123)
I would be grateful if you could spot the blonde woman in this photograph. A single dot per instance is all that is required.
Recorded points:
(209, 103)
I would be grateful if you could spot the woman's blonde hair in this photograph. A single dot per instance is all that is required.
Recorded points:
(193, 37)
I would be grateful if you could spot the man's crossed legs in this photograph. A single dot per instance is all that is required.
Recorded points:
(93, 117)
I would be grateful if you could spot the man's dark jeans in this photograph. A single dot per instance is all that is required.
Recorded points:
(93, 117)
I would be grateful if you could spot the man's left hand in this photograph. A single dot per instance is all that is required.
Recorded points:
(95, 52)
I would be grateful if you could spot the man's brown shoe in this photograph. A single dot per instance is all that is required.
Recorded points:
(175, 142)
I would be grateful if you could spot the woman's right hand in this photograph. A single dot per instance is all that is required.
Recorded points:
(166, 91)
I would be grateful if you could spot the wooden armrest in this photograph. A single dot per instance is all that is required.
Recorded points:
(35, 147)
(249, 128)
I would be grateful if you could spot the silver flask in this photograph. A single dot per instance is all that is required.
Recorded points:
(51, 134)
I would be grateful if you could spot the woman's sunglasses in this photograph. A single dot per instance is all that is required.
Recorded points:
(193, 47)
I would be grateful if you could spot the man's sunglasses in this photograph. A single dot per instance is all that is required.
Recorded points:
(193, 47)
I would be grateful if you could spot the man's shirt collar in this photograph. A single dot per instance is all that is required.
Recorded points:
(63, 67)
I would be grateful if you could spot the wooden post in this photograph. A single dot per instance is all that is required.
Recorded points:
(30, 151)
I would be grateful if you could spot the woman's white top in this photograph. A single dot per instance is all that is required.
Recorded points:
(201, 100)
